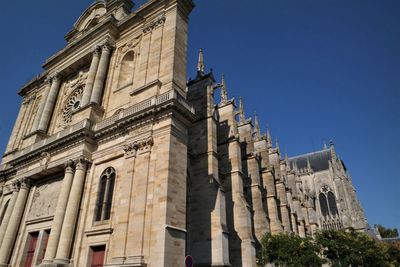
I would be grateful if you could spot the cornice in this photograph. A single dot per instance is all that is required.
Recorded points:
(108, 129)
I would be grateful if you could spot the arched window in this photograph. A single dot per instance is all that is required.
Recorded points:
(324, 204)
(126, 70)
(4, 211)
(332, 203)
(104, 200)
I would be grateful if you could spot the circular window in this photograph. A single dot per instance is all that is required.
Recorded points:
(73, 103)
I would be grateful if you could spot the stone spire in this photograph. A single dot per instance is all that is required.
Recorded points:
(325, 146)
(257, 131)
(332, 149)
(224, 92)
(308, 165)
(269, 138)
(200, 64)
(277, 144)
(242, 117)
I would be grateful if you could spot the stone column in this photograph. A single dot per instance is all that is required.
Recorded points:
(57, 224)
(100, 79)
(7, 215)
(71, 214)
(50, 102)
(1, 199)
(87, 92)
(13, 225)
(39, 113)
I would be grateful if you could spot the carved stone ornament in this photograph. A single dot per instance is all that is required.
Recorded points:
(56, 77)
(22, 183)
(154, 24)
(25, 183)
(44, 200)
(44, 159)
(72, 104)
(130, 150)
(143, 145)
(81, 163)
(69, 165)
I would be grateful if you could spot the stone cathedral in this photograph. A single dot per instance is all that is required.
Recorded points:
(116, 159)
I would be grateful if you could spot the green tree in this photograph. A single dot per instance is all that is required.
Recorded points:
(387, 232)
(289, 250)
(393, 250)
(352, 249)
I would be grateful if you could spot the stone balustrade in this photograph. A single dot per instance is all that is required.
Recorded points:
(136, 109)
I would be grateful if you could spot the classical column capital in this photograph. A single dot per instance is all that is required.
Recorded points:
(15, 186)
(81, 163)
(56, 76)
(96, 50)
(107, 45)
(25, 183)
(106, 48)
(48, 80)
(69, 166)
(22, 183)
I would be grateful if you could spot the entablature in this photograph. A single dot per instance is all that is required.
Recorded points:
(86, 131)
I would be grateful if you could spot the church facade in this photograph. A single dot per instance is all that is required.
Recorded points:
(116, 159)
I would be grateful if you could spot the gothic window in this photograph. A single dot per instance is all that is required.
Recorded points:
(332, 203)
(104, 200)
(324, 204)
(327, 202)
(126, 70)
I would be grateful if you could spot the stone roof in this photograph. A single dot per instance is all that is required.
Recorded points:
(319, 160)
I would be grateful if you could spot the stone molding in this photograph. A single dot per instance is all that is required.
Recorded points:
(108, 129)
(142, 145)
(150, 26)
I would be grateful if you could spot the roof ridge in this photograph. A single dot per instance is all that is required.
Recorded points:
(309, 154)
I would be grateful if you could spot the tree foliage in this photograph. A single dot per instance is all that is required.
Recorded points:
(339, 248)
(387, 232)
(352, 249)
(289, 250)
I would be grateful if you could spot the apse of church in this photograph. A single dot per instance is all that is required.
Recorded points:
(116, 159)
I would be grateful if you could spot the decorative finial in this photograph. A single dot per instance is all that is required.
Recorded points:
(277, 144)
(308, 165)
(325, 146)
(256, 126)
(200, 64)
(332, 149)
(224, 93)
(242, 117)
(269, 138)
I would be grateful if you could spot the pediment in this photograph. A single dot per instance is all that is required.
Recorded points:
(89, 19)
(98, 12)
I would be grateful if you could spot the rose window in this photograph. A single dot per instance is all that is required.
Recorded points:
(73, 103)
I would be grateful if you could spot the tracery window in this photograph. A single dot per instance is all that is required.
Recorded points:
(327, 202)
(324, 204)
(106, 189)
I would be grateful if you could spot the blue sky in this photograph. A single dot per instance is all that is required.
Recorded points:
(313, 70)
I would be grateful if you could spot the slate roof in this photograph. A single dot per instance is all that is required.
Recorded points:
(319, 160)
